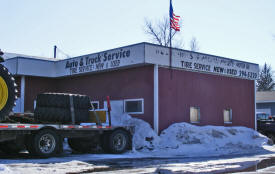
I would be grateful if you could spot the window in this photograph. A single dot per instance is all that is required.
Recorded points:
(134, 106)
(95, 105)
(227, 115)
(194, 114)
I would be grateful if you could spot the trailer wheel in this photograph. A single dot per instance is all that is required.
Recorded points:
(45, 143)
(10, 147)
(118, 141)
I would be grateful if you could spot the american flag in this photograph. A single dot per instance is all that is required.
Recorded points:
(174, 20)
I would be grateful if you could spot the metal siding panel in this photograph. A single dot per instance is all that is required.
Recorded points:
(211, 93)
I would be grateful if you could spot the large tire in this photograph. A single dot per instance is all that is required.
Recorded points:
(62, 100)
(60, 115)
(117, 142)
(7, 92)
(50, 114)
(45, 143)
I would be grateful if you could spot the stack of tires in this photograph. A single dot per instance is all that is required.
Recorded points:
(56, 108)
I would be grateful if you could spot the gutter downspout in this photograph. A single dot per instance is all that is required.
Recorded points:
(255, 106)
(156, 99)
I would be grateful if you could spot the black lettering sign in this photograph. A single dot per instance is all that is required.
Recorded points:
(202, 67)
(116, 55)
(218, 69)
(232, 72)
(186, 64)
(72, 64)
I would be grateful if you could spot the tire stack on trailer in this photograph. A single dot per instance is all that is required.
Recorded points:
(57, 108)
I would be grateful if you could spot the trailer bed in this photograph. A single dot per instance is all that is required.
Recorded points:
(19, 126)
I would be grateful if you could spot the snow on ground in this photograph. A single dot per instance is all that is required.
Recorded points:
(189, 140)
(181, 140)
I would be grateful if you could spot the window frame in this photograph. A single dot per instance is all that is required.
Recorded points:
(136, 99)
(199, 114)
(230, 116)
(97, 102)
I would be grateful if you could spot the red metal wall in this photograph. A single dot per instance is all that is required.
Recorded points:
(34, 86)
(212, 93)
(121, 84)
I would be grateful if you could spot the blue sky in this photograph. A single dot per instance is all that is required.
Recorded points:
(239, 29)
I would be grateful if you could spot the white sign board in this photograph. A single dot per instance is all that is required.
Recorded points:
(200, 62)
(133, 55)
(111, 59)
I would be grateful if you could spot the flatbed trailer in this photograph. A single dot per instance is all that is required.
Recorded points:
(46, 140)
(62, 112)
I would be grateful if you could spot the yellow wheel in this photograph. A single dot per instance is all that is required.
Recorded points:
(7, 92)
(4, 93)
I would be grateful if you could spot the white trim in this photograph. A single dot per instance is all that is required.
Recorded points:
(266, 101)
(22, 96)
(255, 107)
(97, 102)
(137, 99)
(199, 114)
(230, 115)
(156, 99)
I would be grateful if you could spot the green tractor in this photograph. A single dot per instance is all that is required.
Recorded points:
(7, 90)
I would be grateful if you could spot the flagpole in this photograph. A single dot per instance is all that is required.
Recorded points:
(170, 48)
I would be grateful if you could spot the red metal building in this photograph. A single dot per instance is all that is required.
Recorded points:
(144, 81)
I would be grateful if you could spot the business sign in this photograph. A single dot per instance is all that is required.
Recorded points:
(201, 62)
(105, 60)
(137, 54)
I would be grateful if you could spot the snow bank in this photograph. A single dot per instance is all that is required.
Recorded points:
(184, 139)
(5, 169)
(191, 140)
(144, 137)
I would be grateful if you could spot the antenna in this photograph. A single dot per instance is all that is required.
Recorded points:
(54, 51)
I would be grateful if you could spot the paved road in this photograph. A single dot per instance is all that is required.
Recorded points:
(226, 164)
(265, 166)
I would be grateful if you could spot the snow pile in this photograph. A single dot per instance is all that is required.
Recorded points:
(5, 169)
(144, 137)
(190, 140)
